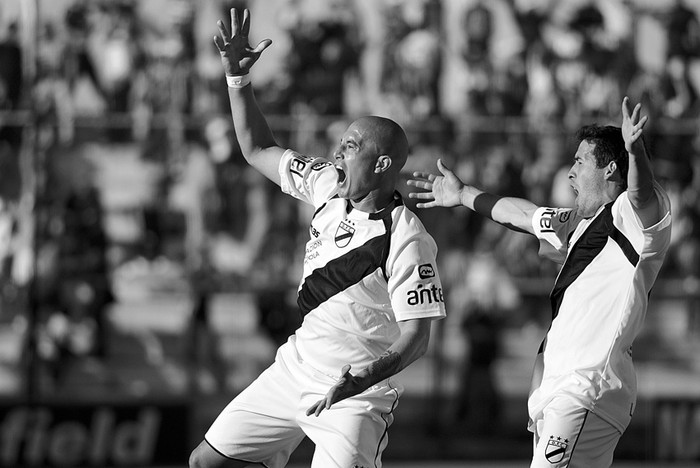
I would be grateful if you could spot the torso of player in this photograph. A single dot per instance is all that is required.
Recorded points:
(599, 302)
(363, 272)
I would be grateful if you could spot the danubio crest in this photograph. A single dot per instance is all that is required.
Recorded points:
(556, 448)
(343, 234)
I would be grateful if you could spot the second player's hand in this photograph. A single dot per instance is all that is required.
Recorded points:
(632, 126)
(347, 386)
(441, 190)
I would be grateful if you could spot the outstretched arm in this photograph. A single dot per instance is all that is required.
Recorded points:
(252, 131)
(412, 344)
(640, 177)
(448, 190)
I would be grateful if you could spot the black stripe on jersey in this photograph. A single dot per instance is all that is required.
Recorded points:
(625, 245)
(585, 250)
(344, 271)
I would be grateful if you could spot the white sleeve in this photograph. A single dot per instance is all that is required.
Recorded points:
(552, 226)
(309, 179)
(414, 284)
(655, 237)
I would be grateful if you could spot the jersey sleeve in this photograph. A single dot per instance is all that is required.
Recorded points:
(414, 284)
(627, 221)
(309, 179)
(553, 227)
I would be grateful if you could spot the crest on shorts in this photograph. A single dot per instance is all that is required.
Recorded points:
(344, 234)
(555, 449)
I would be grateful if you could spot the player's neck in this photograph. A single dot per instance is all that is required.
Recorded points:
(374, 201)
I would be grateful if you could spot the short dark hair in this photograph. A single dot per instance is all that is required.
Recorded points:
(608, 146)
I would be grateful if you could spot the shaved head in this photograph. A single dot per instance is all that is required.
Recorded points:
(388, 137)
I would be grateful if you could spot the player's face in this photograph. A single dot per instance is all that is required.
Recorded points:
(587, 180)
(355, 161)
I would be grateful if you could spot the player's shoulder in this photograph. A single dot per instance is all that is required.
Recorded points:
(406, 224)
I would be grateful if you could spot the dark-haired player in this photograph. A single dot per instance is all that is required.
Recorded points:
(611, 246)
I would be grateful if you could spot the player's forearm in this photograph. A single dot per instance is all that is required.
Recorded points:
(640, 177)
(407, 349)
(252, 130)
(513, 213)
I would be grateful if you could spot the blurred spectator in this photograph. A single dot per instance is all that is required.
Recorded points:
(161, 98)
(8, 234)
(482, 296)
(78, 64)
(325, 49)
(114, 40)
(194, 194)
(683, 32)
(227, 224)
(478, 28)
(10, 68)
(76, 281)
(11, 87)
(411, 63)
(51, 95)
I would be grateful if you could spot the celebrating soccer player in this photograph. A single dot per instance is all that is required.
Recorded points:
(369, 292)
(611, 246)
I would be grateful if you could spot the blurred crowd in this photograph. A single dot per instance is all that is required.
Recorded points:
(114, 127)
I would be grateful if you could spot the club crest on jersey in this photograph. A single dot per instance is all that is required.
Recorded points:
(344, 234)
(555, 449)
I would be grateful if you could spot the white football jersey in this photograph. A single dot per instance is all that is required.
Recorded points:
(599, 302)
(363, 272)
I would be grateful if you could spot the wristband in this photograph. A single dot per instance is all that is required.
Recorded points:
(239, 81)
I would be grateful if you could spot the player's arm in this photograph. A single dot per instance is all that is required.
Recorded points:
(640, 177)
(411, 345)
(253, 133)
(448, 190)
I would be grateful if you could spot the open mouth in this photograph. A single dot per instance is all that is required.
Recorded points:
(341, 174)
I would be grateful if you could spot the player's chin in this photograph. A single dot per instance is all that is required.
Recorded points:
(345, 191)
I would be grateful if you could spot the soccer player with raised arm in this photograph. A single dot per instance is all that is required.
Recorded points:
(611, 246)
(369, 293)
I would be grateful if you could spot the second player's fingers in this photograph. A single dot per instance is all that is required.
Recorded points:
(421, 195)
(625, 107)
(635, 112)
(442, 167)
(642, 122)
(421, 174)
(421, 184)
(416, 183)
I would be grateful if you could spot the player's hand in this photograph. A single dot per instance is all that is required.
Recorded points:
(347, 386)
(237, 56)
(444, 190)
(632, 127)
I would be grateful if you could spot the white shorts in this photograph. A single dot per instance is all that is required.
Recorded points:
(570, 436)
(267, 420)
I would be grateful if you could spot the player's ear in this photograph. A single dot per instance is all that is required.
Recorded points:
(383, 164)
(611, 171)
